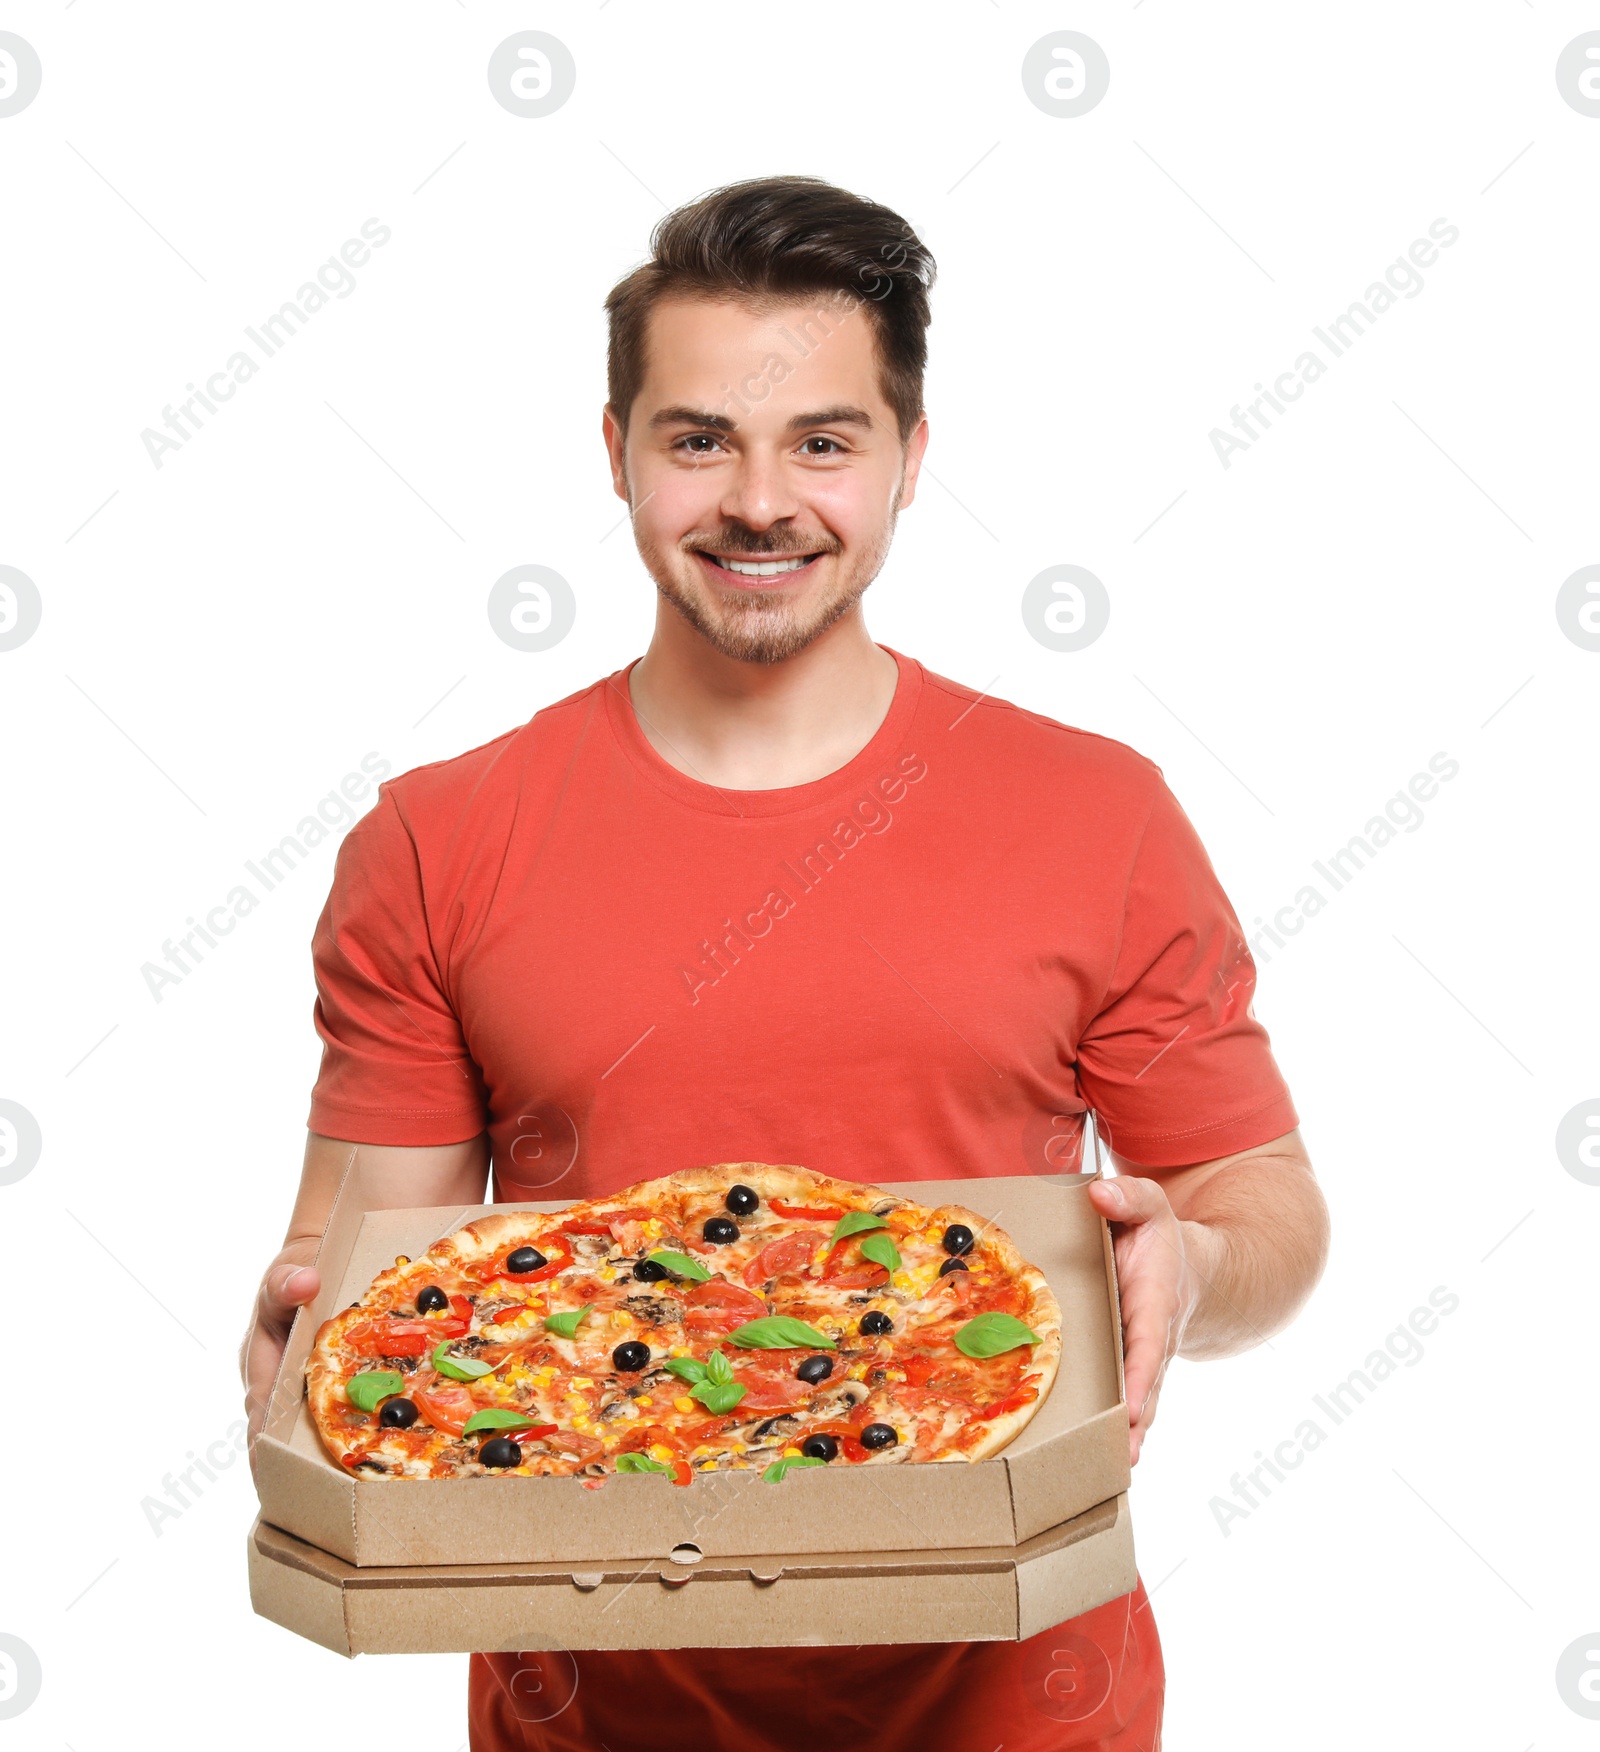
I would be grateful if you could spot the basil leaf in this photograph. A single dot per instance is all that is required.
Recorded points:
(779, 1467)
(719, 1371)
(717, 1396)
(780, 1332)
(458, 1368)
(364, 1391)
(640, 1463)
(989, 1334)
(881, 1251)
(494, 1418)
(566, 1325)
(686, 1368)
(681, 1265)
(854, 1222)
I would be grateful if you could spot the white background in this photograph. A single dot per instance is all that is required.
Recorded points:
(1373, 582)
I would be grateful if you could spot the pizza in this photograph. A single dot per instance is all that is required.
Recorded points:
(725, 1318)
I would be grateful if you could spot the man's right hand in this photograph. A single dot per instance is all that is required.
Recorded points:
(424, 1174)
(289, 1282)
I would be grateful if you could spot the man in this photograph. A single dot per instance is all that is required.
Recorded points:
(774, 892)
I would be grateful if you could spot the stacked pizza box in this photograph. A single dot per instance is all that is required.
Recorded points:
(1000, 1548)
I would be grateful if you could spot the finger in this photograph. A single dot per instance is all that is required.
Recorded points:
(1149, 1315)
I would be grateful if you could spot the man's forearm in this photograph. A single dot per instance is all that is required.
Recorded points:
(1256, 1233)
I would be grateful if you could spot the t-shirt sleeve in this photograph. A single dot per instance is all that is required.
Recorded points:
(1175, 1064)
(395, 1067)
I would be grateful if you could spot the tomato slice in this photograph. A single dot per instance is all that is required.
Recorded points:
(792, 1253)
(717, 1307)
(780, 1209)
(446, 1408)
(772, 1381)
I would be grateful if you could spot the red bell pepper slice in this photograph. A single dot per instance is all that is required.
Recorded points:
(780, 1209)
(532, 1434)
(557, 1259)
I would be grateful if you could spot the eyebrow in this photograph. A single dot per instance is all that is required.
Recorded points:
(843, 415)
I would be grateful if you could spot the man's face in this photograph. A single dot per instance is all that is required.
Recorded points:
(763, 468)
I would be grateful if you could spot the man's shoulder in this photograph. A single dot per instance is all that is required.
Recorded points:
(1017, 734)
(444, 789)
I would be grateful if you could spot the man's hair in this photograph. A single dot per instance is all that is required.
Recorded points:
(774, 240)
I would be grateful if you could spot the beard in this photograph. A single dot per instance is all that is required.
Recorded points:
(759, 626)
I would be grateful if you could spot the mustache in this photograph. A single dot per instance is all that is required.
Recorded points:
(754, 544)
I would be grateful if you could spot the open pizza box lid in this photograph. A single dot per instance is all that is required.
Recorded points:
(787, 1600)
(1072, 1457)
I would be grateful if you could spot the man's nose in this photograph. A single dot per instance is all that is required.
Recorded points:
(758, 494)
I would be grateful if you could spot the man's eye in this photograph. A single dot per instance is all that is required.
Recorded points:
(834, 447)
(692, 440)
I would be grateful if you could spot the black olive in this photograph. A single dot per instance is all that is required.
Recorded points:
(630, 1357)
(525, 1259)
(815, 1369)
(649, 1271)
(742, 1201)
(432, 1300)
(878, 1436)
(951, 1265)
(874, 1323)
(958, 1238)
(397, 1414)
(720, 1229)
(500, 1451)
(820, 1447)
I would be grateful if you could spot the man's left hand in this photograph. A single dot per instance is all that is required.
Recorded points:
(1158, 1285)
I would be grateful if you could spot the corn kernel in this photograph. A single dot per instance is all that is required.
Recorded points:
(685, 1403)
(644, 1399)
(582, 1423)
(621, 1317)
(857, 1371)
(679, 1350)
(897, 1374)
(791, 1454)
(660, 1451)
(401, 1259)
(582, 1381)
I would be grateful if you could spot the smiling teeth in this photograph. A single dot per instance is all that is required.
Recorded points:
(761, 568)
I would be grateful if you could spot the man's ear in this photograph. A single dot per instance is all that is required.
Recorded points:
(916, 444)
(615, 444)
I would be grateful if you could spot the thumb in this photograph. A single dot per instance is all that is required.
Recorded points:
(286, 1289)
(1122, 1200)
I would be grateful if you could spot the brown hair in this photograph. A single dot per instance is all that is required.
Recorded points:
(780, 238)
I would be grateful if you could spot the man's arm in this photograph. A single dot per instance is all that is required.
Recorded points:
(440, 1174)
(1212, 1258)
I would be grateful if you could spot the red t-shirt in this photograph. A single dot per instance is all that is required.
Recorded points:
(924, 966)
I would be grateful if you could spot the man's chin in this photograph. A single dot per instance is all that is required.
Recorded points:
(757, 626)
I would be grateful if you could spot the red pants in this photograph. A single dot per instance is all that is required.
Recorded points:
(1094, 1684)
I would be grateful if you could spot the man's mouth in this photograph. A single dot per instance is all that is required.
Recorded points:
(754, 570)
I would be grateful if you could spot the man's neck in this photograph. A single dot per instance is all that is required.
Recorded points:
(761, 726)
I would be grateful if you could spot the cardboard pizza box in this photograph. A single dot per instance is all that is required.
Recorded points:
(1072, 1457)
(749, 1601)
